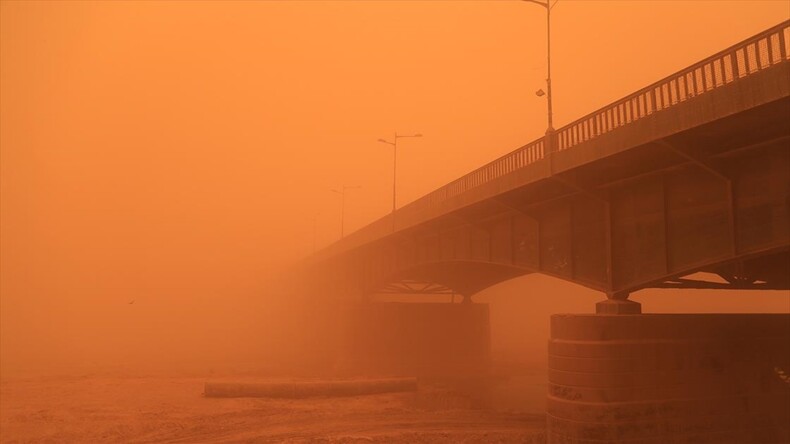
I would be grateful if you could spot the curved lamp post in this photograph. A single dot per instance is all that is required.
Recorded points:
(394, 144)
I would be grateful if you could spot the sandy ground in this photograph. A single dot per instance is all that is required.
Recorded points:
(103, 409)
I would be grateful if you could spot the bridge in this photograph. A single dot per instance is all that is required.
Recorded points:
(686, 175)
(689, 174)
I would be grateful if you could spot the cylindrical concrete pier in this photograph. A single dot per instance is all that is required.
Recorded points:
(666, 378)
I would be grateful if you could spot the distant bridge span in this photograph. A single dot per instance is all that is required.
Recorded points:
(691, 173)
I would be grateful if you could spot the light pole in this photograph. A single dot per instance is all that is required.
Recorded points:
(550, 129)
(394, 144)
(342, 194)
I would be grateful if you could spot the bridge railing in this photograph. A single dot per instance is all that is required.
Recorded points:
(747, 57)
(510, 162)
(754, 54)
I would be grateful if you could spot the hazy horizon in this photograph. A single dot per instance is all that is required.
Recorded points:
(175, 154)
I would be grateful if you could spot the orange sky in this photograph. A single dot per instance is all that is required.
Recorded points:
(172, 153)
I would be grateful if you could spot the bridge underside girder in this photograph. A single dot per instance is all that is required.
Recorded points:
(408, 286)
(465, 278)
(765, 272)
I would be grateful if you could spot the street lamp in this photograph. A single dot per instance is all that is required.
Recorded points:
(550, 129)
(342, 194)
(394, 144)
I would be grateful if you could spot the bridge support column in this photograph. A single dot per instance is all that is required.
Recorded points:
(618, 303)
(417, 339)
(669, 378)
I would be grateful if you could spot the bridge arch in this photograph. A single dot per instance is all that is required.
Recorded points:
(463, 277)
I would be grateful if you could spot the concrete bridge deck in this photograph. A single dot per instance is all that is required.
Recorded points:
(686, 174)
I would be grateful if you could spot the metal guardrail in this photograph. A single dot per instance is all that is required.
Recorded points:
(754, 54)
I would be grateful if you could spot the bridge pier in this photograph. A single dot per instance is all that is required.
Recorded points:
(669, 378)
(417, 339)
(618, 303)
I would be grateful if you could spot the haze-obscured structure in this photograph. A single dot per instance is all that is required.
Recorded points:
(161, 160)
